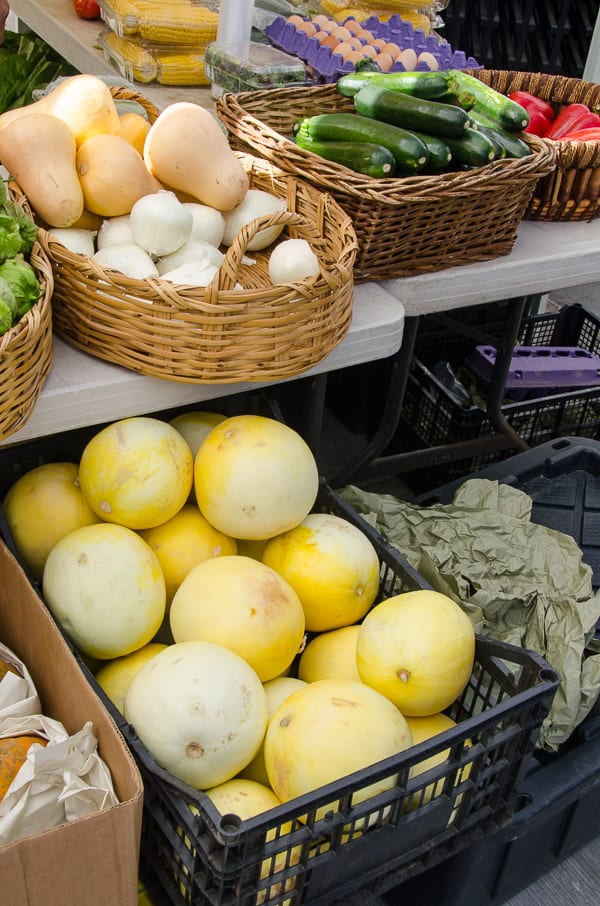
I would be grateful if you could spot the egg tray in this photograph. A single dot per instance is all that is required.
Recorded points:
(327, 66)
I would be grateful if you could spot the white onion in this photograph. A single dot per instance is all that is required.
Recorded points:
(208, 225)
(194, 251)
(129, 259)
(256, 203)
(81, 242)
(191, 274)
(292, 260)
(114, 231)
(160, 223)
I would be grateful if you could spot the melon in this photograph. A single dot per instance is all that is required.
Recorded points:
(13, 754)
(417, 648)
(200, 710)
(426, 728)
(254, 477)
(330, 655)
(41, 507)
(332, 566)
(244, 605)
(327, 730)
(183, 541)
(195, 425)
(276, 690)
(136, 472)
(105, 587)
(115, 676)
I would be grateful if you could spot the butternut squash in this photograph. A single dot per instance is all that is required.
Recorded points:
(83, 102)
(39, 152)
(187, 151)
(113, 176)
(134, 129)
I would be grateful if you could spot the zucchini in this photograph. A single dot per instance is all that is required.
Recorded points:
(491, 103)
(439, 152)
(472, 149)
(513, 145)
(411, 113)
(362, 157)
(426, 85)
(410, 153)
(492, 134)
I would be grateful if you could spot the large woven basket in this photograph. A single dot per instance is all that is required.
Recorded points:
(404, 226)
(221, 334)
(26, 351)
(571, 191)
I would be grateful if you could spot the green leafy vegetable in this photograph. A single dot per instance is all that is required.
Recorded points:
(6, 315)
(23, 282)
(10, 237)
(27, 63)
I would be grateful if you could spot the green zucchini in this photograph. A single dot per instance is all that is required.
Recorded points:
(491, 103)
(362, 157)
(492, 134)
(513, 145)
(410, 153)
(426, 85)
(439, 152)
(472, 149)
(411, 113)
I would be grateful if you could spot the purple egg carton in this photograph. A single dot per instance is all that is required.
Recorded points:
(328, 66)
(539, 370)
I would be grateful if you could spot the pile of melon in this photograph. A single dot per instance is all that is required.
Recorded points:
(240, 631)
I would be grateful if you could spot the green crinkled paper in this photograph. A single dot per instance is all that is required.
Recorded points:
(519, 582)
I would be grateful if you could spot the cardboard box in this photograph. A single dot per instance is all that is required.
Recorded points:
(93, 860)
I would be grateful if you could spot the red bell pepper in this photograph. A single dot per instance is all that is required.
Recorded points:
(582, 135)
(531, 102)
(571, 117)
(538, 123)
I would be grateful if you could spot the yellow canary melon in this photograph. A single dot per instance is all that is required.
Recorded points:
(247, 799)
(276, 690)
(327, 730)
(243, 605)
(196, 425)
(200, 710)
(330, 655)
(423, 729)
(105, 587)
(41, 507)
(182, 542)
(115, 676)
(417, 648)
(136, 472)
(255, 477)
(332, 566)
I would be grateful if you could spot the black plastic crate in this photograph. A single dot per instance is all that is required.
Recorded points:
(432, 416)
(558, 810)
(192, 854)
(551, 36)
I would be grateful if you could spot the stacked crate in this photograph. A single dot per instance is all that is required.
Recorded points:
(150, 41)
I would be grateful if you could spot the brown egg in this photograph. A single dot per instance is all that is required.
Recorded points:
(321, 36)
(343, 49)
(384, 61)
(355, 43)
(307, 28)
(331, 42)
(429, 60)
(392, 49)
(354, 57)
(377, 43)
(408, 58)
(322, 21)
(341, 33)
(369, 51)
(295, 20)
(367, 36)
(353, 26)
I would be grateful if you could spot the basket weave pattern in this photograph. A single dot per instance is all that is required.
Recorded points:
(26, 352)
(221, 334)
(572, 190)
(405, 226)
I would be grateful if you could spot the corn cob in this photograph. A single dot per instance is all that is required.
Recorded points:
(172, 22)
(181, 69)
(139, 61)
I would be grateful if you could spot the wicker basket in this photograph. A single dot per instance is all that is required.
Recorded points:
(572, 190)
(404, 226)
(26, 351)
(220, 334)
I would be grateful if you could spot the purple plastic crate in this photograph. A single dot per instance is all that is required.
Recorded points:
(539, 370)
(328, 66)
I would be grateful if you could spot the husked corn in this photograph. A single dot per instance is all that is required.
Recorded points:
(171, 22)
(182, 69)
(339, 10)
(139, 61)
